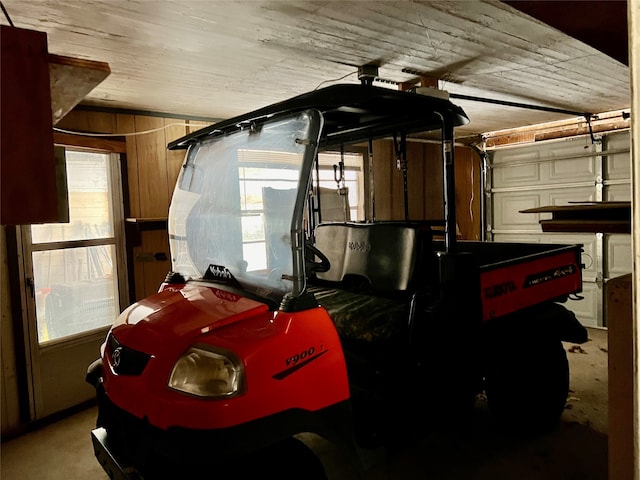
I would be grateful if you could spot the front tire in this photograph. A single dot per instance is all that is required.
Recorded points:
(290, 459)
(527, 384)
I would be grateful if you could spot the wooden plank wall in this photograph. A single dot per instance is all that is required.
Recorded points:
(9, 405)
(468, 172)
(152, 171)
(425, 187)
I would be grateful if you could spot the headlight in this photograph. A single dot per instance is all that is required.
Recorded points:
(207, 371)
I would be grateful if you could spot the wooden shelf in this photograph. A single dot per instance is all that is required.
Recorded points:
(583, 226)
(145, 219)
(134, 227)
(147, 223)
(71, 79)
(590, 217)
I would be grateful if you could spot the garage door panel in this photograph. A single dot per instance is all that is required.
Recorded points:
(618, 255)
(565, 196)
(548, 150)
(618, 165)
(586, 308)
(570, 170)
(554, 162)
(567, 147)
(513, 176)
(562, 171)
(508, 206)
(516, 155)
(517, 237)
(618, 140)
(617, 193)
(587, 240)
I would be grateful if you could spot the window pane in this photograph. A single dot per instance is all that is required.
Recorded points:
(255, 255)
(353, 179)
(90, 214)
(75, 289)
(252, 228)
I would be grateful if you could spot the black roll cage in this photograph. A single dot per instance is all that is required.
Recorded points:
(355, 113)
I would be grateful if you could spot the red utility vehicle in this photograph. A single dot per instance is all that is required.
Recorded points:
(274, 322)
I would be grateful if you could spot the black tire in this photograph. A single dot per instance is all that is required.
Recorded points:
(527, 385)
(290, 459)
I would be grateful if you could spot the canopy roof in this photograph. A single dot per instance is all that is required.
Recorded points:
(351, 113)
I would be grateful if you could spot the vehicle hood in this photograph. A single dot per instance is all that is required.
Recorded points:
(179, 314)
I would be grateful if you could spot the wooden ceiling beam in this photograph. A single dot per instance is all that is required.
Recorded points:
(601, 24)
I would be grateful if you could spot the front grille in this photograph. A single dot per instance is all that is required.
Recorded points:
(125, 360)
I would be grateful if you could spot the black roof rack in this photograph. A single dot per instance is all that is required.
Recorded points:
(351, 112)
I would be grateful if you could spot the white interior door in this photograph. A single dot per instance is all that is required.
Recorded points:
(75, 282)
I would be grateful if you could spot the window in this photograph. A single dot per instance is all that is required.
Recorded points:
(75, 266)
(353, 181)
(259, 185)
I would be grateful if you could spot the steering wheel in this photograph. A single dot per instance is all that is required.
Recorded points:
(312, 266)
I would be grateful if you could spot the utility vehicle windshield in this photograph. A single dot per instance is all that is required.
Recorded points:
(236, 212)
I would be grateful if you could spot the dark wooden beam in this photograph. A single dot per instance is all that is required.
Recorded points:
(601, 24)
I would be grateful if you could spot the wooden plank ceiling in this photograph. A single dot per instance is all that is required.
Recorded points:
(599, 23)
(216, 59)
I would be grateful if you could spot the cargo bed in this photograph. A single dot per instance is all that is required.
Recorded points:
(518, 275)
(377, 267)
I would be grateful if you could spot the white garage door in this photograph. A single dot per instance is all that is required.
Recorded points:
(561, 172)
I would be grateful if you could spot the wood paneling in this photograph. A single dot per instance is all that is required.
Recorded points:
(152, 167)
(126, 124)
(9, 388)
(425, 186)
(88, 142)
(102, 122)
(397, 188)
(152, 257)
(383, 164)
(416, 180)
(599, 23)
(433, 186)
(468, 193)
(175, 128)
(195, 125)
(76, 121)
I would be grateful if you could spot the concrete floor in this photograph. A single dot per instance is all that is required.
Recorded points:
(577, 450)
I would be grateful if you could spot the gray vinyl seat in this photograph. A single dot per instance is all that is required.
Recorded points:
(375, 271)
